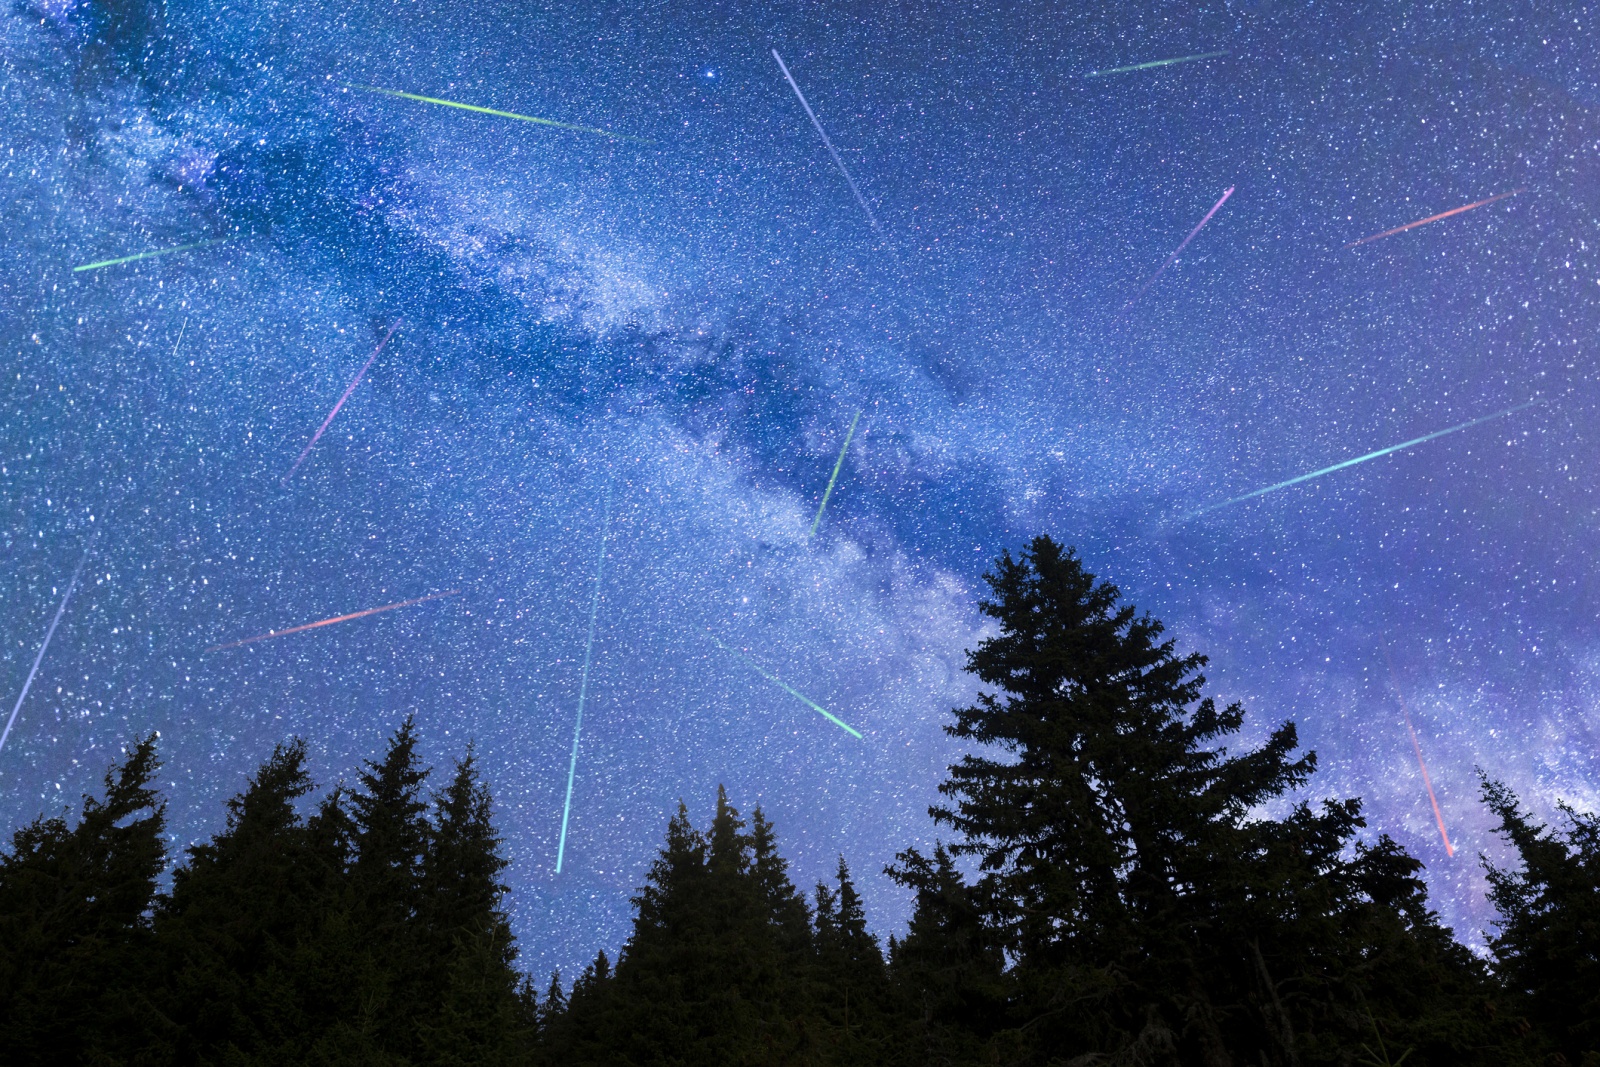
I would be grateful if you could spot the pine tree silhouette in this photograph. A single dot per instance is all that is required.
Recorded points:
(75, 905)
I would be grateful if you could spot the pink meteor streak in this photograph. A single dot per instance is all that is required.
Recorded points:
(1435, 218)
(352, 388)
(330, 622)
(1172, 258)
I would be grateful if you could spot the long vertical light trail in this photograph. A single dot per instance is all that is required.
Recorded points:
(1173, 258)
(48, 634)
(583, 685)
(829, 491)
(831, 150)
(1438, 816)
(348, 390)
(787, 688)
(1362, 459)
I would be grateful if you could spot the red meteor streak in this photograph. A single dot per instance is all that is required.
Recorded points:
(330, 622)
(1435, 218)
(352, 388)
(1449, 849)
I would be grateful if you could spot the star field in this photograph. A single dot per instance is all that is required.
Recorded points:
(693, 312)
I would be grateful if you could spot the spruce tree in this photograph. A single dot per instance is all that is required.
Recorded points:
(784, 907)
(468, 945)
(850, 993)
(1148, 910)
(75, 904)
(1547, 950)
(948, 970)
(716, 967)
(392, 960)
(244, 909)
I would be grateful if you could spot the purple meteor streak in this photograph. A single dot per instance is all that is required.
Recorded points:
(352, 388)
(48, 634)
(1125, 307)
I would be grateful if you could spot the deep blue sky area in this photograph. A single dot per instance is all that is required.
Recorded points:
(675, 327)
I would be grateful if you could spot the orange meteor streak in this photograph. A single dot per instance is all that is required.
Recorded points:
(1435, 218)
(1449, 849)
(330, 622)
(1438, 816)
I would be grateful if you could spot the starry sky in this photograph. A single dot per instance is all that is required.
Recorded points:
(658, 341)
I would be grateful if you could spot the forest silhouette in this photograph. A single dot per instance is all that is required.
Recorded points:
(1111, 893)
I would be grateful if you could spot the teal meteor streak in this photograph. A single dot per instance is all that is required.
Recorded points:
(499, 114)
(829, 491)
(1361, 459)
(147, 255)
(781, 684)
(1154, 63)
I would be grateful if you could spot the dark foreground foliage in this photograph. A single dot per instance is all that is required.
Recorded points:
(1112, 894)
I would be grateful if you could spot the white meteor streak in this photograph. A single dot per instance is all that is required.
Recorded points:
(583, 686)
(51, 632)
(831, 150)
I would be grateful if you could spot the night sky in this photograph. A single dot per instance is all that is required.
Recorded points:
(674, 327)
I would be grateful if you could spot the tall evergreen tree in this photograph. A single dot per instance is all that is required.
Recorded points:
(785, 908)
(478, 1019)
(75, 904)
(391, 960)
(850, 992)
(949, 968)
(1547, 951)
(234, 934)
(1147, 910)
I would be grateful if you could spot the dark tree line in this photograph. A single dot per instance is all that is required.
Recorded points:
(1112, 893)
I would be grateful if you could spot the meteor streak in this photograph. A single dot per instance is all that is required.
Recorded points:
(1362, 459)
(1435, 218)
(1449, 849)
(147, 255)
(1172, 258)
(583, 686)
(781, 684)
(336, 618)
(831, 150)
(1154, 63)
(48, 634)
(352, 388)
(829, 491)
(500, 114)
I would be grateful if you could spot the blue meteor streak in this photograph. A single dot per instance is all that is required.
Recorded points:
(48, 634)
(583, 686)
(781, 684)
(1361, 459)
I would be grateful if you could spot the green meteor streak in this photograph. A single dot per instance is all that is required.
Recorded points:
(147, 255)
(499, 114)
(780, 683)
(829, 491)
(1155, 63)
(1361, 459)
